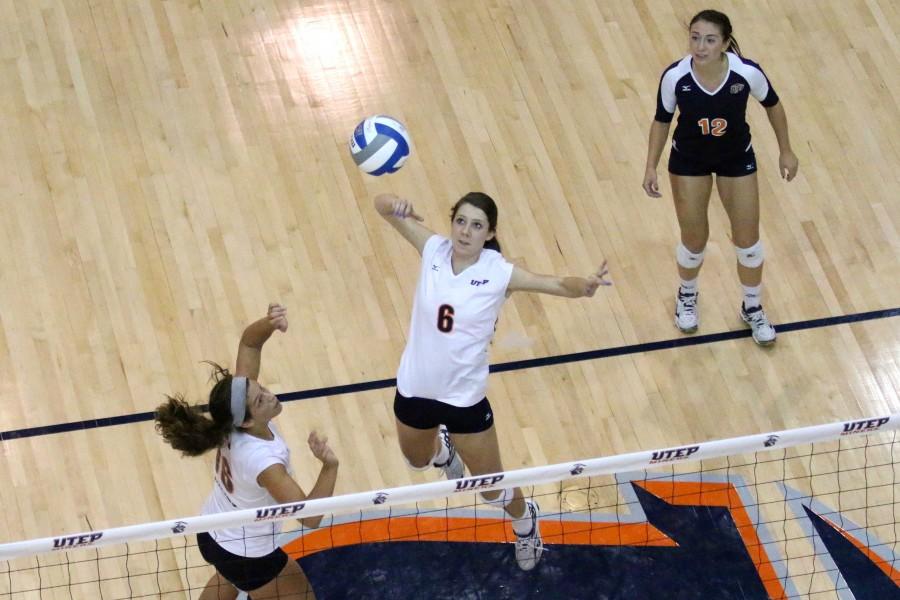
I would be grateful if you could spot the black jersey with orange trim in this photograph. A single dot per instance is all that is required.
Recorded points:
(712, 124)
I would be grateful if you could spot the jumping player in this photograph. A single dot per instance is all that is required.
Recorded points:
(440, 403)
(253, 469)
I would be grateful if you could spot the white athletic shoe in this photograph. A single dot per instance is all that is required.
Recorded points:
(686, 317)
(763, 331)
(454, 467)
(530, 547)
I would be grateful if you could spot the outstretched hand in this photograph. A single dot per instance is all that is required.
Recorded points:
(278, 317)
(597, 279)
(320, 449)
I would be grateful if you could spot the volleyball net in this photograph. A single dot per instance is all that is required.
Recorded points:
(801, 513)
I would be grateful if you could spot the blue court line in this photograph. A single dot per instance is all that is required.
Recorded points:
(515, 365)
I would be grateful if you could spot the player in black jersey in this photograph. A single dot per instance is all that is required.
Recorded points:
(711, 87)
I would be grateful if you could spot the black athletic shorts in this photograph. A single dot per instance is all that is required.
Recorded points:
(736, 165)
(246, 573)
(424, 413)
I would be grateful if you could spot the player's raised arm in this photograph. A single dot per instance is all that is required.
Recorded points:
(254, 336)
(284, 489)
(403, 217)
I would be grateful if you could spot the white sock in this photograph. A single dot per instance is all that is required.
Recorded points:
(442, 455)
(751, 295)
(523, 525)
(689, 287)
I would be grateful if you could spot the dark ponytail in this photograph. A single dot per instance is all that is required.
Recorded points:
(486, 204)
(721, 21)
(187, 429)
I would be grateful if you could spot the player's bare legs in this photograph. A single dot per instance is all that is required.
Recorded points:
(426, 448)
(740, 197)
(417, 445)
(218, 588)
(291, 584)
(691, 196)
(481, 453)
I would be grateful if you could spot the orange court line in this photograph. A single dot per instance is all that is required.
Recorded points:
(695, 493)
(468, 529)
(882, 564)
(562, 531)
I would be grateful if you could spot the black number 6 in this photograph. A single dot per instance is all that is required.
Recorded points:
(445, 318)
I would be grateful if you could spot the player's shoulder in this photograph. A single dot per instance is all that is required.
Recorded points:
(437, 242)
(435, 245)
(677, 69)
(246, 446)
(491, 257)
(492, 261)
(743, 65)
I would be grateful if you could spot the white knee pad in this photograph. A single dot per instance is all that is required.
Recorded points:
(414, 467)
(503, 500)
(688, 259)
(751, 257)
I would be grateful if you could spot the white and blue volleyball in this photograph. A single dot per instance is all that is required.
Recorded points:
(379, 145)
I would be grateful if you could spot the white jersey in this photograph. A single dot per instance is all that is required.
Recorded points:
(238, 463)
(453, 320)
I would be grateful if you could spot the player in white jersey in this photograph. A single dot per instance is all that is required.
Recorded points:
(252, 470)
(710, 88)
(440, 404)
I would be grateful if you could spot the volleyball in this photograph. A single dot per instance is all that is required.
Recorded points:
(379, 145)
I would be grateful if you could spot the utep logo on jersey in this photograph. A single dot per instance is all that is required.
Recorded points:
(76, 541)
(474, 483)
(736, 88)
(266, 514)
(865, 426)
(661, 456)
(477, 282)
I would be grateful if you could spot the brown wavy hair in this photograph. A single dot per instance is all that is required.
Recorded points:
(186, 428)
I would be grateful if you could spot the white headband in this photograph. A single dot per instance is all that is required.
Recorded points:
(238, 400)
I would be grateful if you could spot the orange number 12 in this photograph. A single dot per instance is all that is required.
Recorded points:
(715, 127)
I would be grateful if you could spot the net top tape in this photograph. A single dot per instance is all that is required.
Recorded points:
(648, 459)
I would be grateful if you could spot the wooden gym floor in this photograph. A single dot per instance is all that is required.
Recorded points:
(169, 167)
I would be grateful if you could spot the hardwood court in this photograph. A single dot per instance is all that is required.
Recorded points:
(168, 168)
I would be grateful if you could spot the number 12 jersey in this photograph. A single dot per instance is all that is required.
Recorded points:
(712, 124)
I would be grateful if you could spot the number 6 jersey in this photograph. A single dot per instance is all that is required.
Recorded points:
(238, 463)
(453, 320)
(712, 124)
